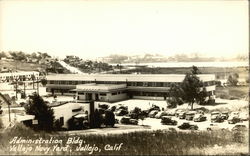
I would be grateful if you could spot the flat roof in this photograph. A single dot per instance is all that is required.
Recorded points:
(19, 73)
(99, 87)
(127, 77)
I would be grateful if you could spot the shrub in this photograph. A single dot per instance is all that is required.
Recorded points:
(109, 118)
(173, 102)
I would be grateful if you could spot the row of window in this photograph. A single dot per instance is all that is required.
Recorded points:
(117, 93)
(134, 93)
(139, 84)
(154, 94)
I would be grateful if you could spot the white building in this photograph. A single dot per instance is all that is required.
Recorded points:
(107, 87)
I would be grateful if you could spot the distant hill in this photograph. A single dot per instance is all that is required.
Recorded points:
(18, 65)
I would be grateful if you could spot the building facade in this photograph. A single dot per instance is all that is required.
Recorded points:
(18, 76)
(10, 81)
(107, 87)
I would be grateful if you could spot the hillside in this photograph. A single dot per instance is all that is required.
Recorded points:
(14, 65)
(18, 65)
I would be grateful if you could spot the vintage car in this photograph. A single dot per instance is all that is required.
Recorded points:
(190, 115)
(182, 115)
(160, 114)
(128, 120)
(199, 118)
(224, 115)
(214, 127)
(233, 119)
(121, 112)
(187, 125)
(166, 120)
(216, 117)
(153, 113)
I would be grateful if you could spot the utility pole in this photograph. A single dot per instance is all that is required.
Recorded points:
(24, 89)
(37, 86)
(9, 112)
(16, 87)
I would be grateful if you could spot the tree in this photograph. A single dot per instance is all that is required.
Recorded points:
(176, 94)
(195, 70)
(43, 113)
(233, 79)
(191, 87)
(44, 81)
(2, 54)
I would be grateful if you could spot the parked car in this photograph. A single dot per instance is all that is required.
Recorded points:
(103, 106)
(199, 118)
(153, 113)
(121, 112)
(133, 121)
(154, 107)
(160, 114)
(128, 120)
(214, 127)
(125, 120)
(178, 111)
(240, 127)
(244, 116)
(235, 113)
(216, 117)
(170, 113)
(233, 119)
(190, 115)
(166, 120)
(182, 115)
(224, 115)
(187, 125)
(122, 107)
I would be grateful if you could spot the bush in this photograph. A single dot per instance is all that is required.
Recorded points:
(173, 102)
(109, 118)
(43, 113)
(19, 129)
(75, 124)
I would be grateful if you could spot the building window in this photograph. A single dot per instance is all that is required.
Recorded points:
(129, 83)
(103, 94)
(115, 93)
(150, 84)
(166, 84)
(159, 84)
(139, 84)
(145, 84)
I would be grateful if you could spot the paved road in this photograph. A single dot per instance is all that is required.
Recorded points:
(70, 68)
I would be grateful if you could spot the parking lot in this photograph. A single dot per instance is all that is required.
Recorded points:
(153, 123)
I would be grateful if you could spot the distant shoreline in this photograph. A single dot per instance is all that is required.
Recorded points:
(190, 64)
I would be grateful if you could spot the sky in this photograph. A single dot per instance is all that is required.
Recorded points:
(96, 28)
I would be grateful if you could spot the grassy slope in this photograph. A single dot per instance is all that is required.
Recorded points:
(20, 65)
(138, 143)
